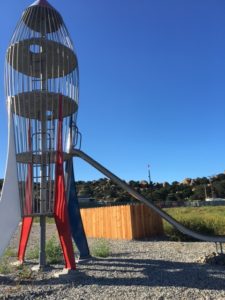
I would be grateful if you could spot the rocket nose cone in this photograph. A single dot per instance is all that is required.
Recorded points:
(41, 3)
(42, 17)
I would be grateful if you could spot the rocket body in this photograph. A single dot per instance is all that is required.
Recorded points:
(41, 75)
(41, 82)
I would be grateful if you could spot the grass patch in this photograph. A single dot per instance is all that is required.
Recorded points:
(100, 248)
(9, 252)
(33, 253)
(24, 272)
(205, 220)
(5, 267)
(53, 251)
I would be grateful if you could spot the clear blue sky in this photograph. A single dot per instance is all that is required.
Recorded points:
(152, 84)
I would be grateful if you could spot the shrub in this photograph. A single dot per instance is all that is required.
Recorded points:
(100, 248)
(33, 253)
(24, 272)
(53, 251)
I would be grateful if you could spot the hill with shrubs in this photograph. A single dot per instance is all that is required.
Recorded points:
(104, 190)
(187, 190)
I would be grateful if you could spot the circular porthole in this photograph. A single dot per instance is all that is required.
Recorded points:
(35, 49)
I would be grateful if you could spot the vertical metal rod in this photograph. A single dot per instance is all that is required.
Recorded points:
(42, 255)
(43, 194)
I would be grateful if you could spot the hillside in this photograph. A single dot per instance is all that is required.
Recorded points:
(187, 190)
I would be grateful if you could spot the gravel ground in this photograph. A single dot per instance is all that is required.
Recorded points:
(153, 269)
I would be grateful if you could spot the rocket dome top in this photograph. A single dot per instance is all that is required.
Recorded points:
(41, 3)
(42, 17)
(41, 47)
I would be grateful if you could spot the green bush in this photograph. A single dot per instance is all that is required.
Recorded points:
(100, 248)
(53, 251)
(33, 253)
(24, 272)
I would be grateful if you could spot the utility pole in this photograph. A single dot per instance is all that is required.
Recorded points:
(149, 180)
(211, 186)
(149, 175)
(205, 191)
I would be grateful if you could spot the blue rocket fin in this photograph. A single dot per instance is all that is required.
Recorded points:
(76, 224)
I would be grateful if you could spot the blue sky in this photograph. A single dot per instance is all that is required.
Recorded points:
(152, 84)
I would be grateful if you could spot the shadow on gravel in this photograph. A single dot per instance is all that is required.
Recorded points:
(162, 273)
(137, 272)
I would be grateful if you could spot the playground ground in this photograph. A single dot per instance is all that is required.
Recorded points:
(153, 269)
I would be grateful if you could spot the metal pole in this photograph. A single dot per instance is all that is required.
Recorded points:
(149, 180)
(205, 191)
(42, 254)
(149, 175)
(211, 187)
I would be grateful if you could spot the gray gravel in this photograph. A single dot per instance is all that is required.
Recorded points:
(135, 270)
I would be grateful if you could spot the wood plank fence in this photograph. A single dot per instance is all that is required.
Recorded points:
(121, 222)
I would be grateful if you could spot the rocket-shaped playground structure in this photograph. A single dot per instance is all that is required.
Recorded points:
(42, 79)
(42, 90)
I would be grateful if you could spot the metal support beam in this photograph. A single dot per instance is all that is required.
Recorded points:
(42, 255)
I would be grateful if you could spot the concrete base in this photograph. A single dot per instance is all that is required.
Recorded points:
(83, 258)
(16, 263)
(38, 268)
(64, 273)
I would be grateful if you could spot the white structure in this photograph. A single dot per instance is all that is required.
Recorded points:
(10, 213)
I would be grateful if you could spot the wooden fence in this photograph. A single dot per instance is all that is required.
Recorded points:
(122, 222)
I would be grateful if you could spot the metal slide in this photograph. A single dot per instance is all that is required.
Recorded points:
(132, 192)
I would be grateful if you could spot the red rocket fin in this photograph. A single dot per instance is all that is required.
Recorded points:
(60, 209)
(24, 236)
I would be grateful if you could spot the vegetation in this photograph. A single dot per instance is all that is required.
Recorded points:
(9, 252)
(5, 267)
(24, 272)
(33, 253)
(206, 220)
(187, 190)
(100, 248)
(53, 251)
